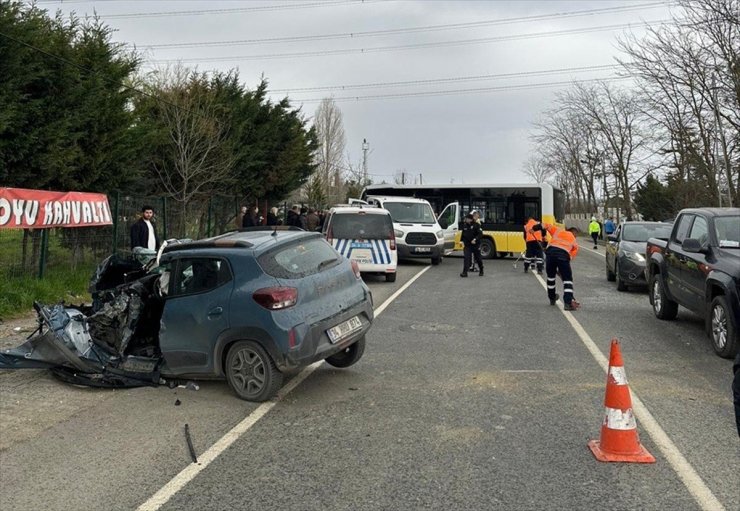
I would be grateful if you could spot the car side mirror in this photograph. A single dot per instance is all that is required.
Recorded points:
(693, 246)
(612, 238)
(444, 224)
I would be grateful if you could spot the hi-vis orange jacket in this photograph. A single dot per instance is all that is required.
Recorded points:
(562, 239)
(529, 233)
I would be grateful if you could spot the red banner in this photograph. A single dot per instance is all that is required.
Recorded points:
(39, 209)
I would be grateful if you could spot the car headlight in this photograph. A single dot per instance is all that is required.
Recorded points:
(635, 256)
(398, 233)
(440, 234)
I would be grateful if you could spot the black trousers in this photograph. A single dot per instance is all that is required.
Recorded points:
(470, 252)
(533, 256)
(595, 236)
(558, 261)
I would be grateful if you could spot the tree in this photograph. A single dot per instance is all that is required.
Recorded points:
(536, 169)
(653, 200)
(331, 144)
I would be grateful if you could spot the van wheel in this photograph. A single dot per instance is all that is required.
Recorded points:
(436, 260)
(349, 355)
(722, 333)
(390, 277)
(251, 373)
(487, 249)
(662, 307)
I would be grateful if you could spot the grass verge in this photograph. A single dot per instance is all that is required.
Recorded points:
(17, 293)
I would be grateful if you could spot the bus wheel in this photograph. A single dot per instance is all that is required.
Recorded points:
(487, 249)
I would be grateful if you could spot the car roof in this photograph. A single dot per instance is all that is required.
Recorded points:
(645, 222)
(714, 211)
(258, 239)
(359, 209)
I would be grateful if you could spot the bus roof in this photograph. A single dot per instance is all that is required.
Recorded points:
(443, 185)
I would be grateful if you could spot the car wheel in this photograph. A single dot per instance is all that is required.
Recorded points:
(662, 307)
(349, 355)
(723, 335)
(390, 277)
(251, 373)
(610, 274)
(487, 249)
(621, 286)
(436, 260)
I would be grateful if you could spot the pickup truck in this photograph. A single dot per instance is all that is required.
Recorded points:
(698, 267)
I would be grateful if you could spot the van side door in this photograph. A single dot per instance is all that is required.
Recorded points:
(449, 221)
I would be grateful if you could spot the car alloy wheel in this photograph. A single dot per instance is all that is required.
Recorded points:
(719, 327)
(251, 372)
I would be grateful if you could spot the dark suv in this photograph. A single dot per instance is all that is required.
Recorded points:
(246, 306)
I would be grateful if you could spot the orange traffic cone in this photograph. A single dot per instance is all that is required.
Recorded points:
(619, 440)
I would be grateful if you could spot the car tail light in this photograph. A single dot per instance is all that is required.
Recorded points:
(276, 298)
(356, 269)
(393, 240)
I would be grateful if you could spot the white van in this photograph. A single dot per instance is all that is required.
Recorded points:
(418, 235)
(364, 234)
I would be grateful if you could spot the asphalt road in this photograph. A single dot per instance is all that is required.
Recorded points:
(472, 394)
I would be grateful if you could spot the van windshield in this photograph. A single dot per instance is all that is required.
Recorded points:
(410, 212)
(361, 226)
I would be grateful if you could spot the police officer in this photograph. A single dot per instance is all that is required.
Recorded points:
(471, 236)
(594, 229)
(561, 250)
(533, 256)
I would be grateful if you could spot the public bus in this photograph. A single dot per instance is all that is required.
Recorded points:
(503, 208)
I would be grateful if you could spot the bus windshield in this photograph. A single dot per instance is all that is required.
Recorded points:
(410, 212)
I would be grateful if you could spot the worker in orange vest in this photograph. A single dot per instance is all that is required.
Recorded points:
(534, 239)
(561, 250)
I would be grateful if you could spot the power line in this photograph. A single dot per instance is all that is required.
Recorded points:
(409, 30)
(437, 44)
(448, 80)
(451, 92)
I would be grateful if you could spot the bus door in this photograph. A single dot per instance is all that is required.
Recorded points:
(449, 221)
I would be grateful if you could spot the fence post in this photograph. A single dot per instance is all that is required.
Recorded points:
(210, 209)
(42, 256)
(164, 218)
(117, 199)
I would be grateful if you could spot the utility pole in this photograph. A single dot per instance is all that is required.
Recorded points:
(365, 147)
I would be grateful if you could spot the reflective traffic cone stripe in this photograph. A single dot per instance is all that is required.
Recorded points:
(619, 440)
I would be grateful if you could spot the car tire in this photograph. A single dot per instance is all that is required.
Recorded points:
(663, 307)
(390, 277)
(487, 249)
(721, 331)
(436, 260)
(349, 355)
(621, 286)
(610, 276)
(251, 372)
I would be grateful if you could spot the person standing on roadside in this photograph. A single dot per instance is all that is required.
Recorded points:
(609, 226)
(476, 219)
(239, 220)
(272, 218)
(250, 218)
(561, 250)
(312, 220)
(594, 229)
(143, 233)
(471, 236)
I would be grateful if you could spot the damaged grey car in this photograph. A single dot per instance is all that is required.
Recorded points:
(246, 306)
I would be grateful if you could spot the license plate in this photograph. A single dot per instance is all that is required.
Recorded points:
(343, 330)
(361, 255)
(423, 249)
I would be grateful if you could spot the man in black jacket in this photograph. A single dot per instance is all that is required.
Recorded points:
(471, 236)
(143, 233)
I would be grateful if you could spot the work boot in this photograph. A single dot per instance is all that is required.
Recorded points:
(572, 306)
(464, 274)
(526, 269)
(539, 272)
(481, 272)
(553, 300)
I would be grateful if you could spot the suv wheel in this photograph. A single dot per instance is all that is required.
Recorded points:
(724, 337)
(436, 260)
(349, 355)
(662, 306)
(251, 373)
(390, 277)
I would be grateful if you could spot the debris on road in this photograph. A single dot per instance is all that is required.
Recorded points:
(177, 402)
(190, 444)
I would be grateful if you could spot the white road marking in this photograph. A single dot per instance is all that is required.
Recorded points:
(592, 251)
(178, 482)
(688, 475)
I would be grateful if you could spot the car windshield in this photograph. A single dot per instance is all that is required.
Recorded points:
(641, 232)
(361, 225)
(411, 212)
(727, 229)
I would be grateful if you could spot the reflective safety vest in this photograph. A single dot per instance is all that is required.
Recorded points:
(563, 239)
(531, 235)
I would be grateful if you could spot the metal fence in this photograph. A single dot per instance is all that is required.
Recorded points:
(36, 252)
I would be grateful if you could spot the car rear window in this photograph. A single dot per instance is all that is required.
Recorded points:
(361, 226)
(298, 260)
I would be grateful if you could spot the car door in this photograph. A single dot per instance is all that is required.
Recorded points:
(449, 221)
(675, 259)
(694, 265)
(612, 248)
(195, 313)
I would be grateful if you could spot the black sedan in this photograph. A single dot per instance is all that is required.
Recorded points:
(625, 251)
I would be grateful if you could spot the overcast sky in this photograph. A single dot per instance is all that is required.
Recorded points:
(433, 129)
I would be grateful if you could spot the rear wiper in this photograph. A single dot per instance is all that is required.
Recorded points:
(324, 264)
